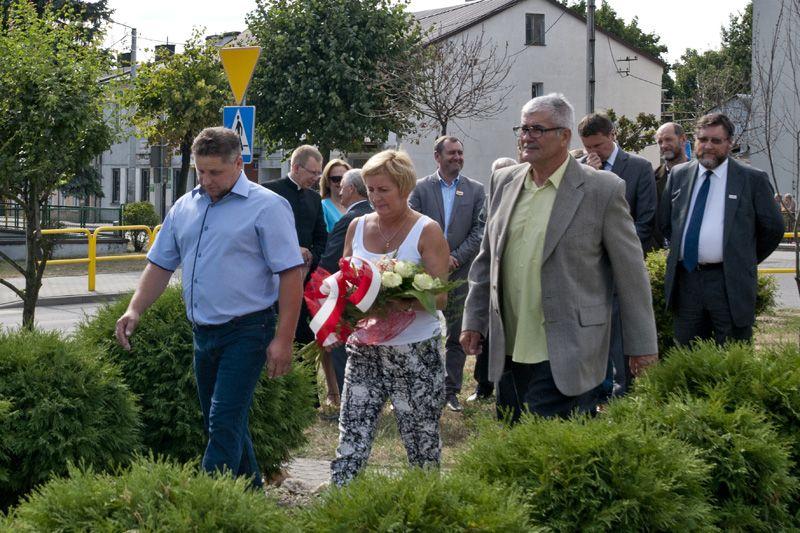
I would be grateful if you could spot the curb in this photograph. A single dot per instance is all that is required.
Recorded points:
(47, 301)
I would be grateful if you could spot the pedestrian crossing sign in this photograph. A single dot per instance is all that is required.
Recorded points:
(241, 119)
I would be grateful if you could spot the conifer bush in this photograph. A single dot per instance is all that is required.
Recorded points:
(591, 475)
(149, 496)
(417, 500)
(159, 370)
(60, 403)
(749, 478)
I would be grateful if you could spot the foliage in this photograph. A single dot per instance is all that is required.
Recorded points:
(139, 214)
(417, 500)
(590, 475)
(749, 477)
(177, 95)
(768, 379)
(90, 15)
(63, 403)
(656, 262)
(159, 369)
(51, 116)
(634, 135)
(87, 182)
(704, 80)
(326, 73)
(149, 496)
(461, 79)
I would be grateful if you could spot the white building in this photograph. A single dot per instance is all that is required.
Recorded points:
(548, 42)
(775, 119)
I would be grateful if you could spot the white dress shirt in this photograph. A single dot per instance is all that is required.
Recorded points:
(711, 230)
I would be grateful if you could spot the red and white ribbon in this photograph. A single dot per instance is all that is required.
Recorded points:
(367, 286)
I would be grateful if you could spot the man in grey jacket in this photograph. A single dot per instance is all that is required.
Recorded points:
(558, 238)
(456, 203)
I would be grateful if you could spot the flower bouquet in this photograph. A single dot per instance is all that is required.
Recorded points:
(366, 302)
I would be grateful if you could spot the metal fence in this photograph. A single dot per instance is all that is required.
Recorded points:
(12, 216)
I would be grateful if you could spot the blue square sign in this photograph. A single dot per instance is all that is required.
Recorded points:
(241, 119)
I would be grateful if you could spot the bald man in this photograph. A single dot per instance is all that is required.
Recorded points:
(671, 140)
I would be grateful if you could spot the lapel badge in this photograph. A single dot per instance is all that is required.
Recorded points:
(459, 193)
(732, 196)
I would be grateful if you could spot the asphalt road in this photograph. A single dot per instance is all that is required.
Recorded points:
(57, 317)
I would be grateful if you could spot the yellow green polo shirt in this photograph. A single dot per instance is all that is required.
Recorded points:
(521, 270)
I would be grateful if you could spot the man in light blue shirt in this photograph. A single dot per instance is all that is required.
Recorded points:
(240, 255)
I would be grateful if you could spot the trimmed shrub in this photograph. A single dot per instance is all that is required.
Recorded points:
(148, 496)
(62, 403)
(750, 480)
(417, 500)
(592, 475)
(656, 262)
(139, 214)
(159, 369)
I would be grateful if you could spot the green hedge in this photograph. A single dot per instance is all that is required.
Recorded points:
(159, 370)
(62, 403)
(656, 262)
(750, 481)
(417, 501)
(150, 496)
(139, 214)
(592, 475)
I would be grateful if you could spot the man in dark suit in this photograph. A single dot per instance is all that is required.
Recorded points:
(456, 203)
(721, 221)
(603, 153)
(306, 169)
(354, 198)
(671, 140)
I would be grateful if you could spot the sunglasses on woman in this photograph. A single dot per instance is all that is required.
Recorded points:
(336, 179)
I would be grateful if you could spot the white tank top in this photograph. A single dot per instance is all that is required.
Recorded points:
(425, 325)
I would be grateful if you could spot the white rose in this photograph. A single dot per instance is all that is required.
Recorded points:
(404, 268)
(423, 282)
(391, 280)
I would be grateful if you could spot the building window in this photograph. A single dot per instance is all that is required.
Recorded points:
(144, 192)
(534, 29)
(537, 89)
(130, 186)
(115, 185)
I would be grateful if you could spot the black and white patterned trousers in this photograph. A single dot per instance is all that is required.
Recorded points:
(412, 376)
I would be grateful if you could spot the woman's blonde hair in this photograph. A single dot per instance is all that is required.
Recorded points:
(394, 163)
(324, 186)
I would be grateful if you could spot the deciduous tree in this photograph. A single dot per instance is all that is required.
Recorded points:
(51, 116)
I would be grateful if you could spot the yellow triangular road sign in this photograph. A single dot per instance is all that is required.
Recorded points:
(239, 64)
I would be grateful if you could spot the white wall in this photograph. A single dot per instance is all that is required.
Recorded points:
(561, 66)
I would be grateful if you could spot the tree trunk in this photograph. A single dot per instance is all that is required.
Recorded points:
(442, 127)
(186, 155)
(326, 154)
(32, 281)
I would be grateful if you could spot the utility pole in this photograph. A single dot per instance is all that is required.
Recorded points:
(590, 56)
(130, 183)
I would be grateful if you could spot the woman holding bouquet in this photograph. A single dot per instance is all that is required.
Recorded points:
(408, 367)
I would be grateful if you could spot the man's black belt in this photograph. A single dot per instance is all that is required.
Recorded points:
(707, 266)
(237, 320)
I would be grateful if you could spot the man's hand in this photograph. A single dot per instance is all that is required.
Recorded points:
(307, 255)
(126, 325)
(454, 264)
(638, 364)
(279, 357)
(594, 161)
(471, 342)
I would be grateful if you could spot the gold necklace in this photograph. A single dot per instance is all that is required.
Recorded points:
(390, 239)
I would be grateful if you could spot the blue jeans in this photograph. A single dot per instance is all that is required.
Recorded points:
(228, 361)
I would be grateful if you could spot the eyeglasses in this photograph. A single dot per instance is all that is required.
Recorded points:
(313, 173)
(716, 141)
(335, 179)
(534, 132)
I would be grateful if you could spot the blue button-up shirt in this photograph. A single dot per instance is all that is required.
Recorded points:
(231, 250)
(448, 197)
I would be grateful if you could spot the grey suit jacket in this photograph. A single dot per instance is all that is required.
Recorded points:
(465, 231)
(335, 244)
(590, 247)
(752, 229)
(640, 193)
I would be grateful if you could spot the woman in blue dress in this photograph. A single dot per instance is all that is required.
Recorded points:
(330, 187)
